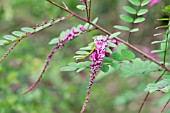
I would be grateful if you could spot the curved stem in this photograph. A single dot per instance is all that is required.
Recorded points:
(108, 33)
(46, 25)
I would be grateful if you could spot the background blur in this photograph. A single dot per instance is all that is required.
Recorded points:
(64, 92)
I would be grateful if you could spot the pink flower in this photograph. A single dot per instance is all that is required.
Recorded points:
(153, 2)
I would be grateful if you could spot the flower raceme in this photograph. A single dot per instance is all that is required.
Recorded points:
(97, 57)
(68, 37)
(153, 2)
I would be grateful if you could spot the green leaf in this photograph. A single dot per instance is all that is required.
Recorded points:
(135, 2)
(27, 29)
(157, 42)
(122, 28)
(139, 19)
(82, 52)
(68, 68)
(137, 67)
(105, 68)
(3, 42)
(94, 22)
(80, 69)
(108, 50)
(114, 35)
(167, 9)
(114, 65)
(54, 41)
(107, 60)
(163, 19)
(126, 18)
(134, 30)
(10, 37)
(81, 7)
(18, 33)
(129, 9)
(127, 54)
(112, 45)
(158, 34)
(152, 87)
(145, 2)
(116, 56)
(160, 27)
(157, 51)
(142, 12)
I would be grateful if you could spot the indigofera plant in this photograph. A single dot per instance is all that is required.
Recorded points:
(108, 50)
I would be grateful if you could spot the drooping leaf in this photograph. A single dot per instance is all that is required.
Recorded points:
(142, 12)
(107, 60)
(10, 37)
(139, 20)
(105, 68)
(126, 18)
(114, 35)
(135, 2)
(116, 56)
(127, 54)
(129, 9)
(124, 28)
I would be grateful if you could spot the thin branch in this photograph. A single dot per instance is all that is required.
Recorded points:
(45, 25)
(108, 33)
(147, 95)
(90, 6)
(165, 106)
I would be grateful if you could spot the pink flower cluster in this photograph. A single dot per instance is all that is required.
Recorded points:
(153, 2)
(83, 1)
(97, 57)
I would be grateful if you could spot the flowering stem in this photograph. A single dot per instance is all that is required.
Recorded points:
(52, 22)
(108, 33)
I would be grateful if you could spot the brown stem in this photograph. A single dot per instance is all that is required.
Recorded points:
(108, 33)
(165, 106)
(28, 34)
(147, 95)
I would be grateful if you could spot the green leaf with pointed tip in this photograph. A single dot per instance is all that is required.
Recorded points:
(3, 42)
(163, 19)
(116, 56)
(139, 20)
(107, 60)
(135, 2)
(27, 29)
(81, 7)
(105, 68)
(108, 50)
(158, 34)
(68, 68)
(157, 51)
(126, 18)
(54, 41)
(94, 22)
(114, 35)
(10, 37)
(127, 54)
(80, 69)
(134, 30)
(129, 9)
(157, 42)
(82, 52)
(142, 12)
(111, 44)
(124, 28)
(145, 2)
(18, 33)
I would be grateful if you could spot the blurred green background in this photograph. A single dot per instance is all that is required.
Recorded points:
(64, 92)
